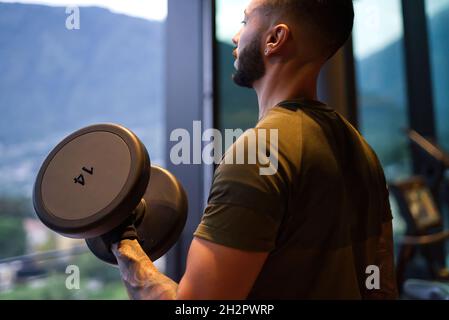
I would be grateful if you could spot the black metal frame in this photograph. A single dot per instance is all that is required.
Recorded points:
(419, 77)
(420, 94)
(188, 98)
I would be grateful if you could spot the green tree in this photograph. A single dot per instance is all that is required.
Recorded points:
(12, 237)
(19, 207)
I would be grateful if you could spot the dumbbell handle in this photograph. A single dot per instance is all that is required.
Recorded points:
(126, 230)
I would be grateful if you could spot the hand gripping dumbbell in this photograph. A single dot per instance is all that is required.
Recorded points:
(99, 179)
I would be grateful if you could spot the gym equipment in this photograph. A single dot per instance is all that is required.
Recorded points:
(422, 202)
(433, 166)
(435, 169)
(424, 228)
(99, 179)
(426, 290)
(417, 206)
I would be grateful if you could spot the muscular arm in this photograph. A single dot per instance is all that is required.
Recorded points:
(140, 275)
(212, 272)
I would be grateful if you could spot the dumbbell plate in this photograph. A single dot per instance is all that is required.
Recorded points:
(163, 221)
(91, 181)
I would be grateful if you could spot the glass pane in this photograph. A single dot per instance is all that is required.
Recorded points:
(58, 74)
(238, 107)
(379, 56)
(381, 87)
(438, 26)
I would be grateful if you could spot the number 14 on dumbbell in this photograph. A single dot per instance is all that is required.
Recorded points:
(80, 178)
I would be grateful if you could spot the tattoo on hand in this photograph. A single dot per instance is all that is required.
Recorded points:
(141, 277)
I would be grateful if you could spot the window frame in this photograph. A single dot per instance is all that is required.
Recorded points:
(189, 97)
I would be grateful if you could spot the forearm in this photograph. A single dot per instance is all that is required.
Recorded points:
(142, 279)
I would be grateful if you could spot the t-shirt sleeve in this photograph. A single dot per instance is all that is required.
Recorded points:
(246, 207)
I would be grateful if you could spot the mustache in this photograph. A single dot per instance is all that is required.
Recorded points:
(234, 52)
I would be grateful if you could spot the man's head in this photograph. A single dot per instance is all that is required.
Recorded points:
(309, 31)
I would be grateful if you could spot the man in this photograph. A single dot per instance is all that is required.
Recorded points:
(317, 227)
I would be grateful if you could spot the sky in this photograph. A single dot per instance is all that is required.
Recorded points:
(147, 9)
(377, 24)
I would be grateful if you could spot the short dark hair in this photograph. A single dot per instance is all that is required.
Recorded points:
(333, 20)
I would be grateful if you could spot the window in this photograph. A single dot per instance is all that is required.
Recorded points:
(57, 76)
(381, 85)
(438, 27)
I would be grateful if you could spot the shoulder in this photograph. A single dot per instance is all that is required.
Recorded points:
(268, 153)
(282, 119)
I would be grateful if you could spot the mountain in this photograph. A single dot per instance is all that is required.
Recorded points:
(383, 94)
(54, 81)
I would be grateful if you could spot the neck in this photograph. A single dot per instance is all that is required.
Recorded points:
(280, 84)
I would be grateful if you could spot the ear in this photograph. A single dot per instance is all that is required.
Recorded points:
(276, 39)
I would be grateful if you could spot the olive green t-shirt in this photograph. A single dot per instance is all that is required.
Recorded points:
(319, 215)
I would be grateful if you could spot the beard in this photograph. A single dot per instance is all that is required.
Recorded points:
(250, 65)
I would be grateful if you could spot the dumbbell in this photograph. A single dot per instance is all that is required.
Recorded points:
(99, 178)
